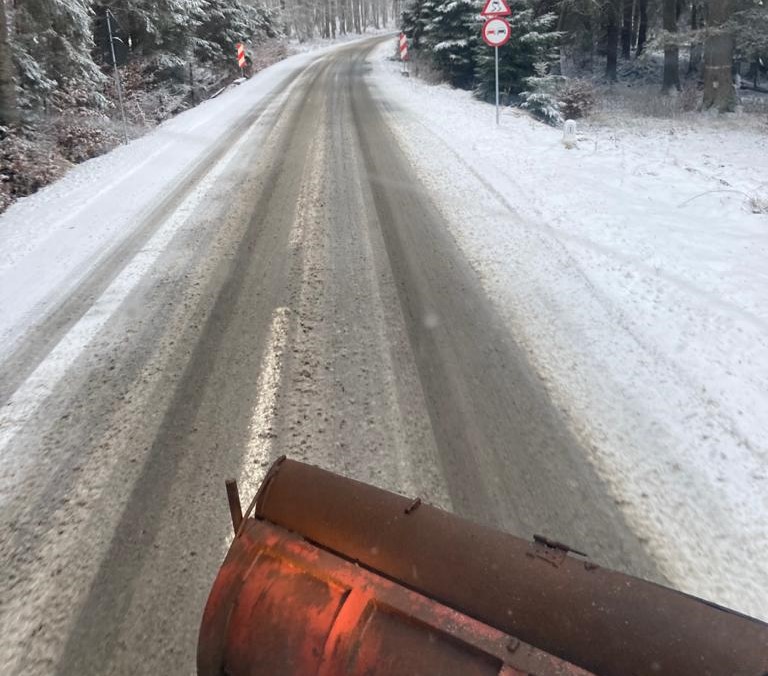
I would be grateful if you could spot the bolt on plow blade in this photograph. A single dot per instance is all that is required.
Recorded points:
(330, 576)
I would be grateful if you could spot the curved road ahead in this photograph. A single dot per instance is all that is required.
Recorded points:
(314, 305)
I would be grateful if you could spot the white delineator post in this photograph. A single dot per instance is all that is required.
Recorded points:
(496, 32)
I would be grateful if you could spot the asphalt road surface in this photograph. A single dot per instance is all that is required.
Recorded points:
(315, 306)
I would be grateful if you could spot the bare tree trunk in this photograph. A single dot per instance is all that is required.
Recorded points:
(697, 49)
(719, 91)
(635, 22)
(9, 109)
(626, 29)
(642, 28)
(613, 9)
(671, 51)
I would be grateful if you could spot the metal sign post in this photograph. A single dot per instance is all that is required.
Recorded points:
(496, 55)
(118, 84)
(496, 32)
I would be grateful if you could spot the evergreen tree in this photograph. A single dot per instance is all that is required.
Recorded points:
(452, 36)
(541, 95)
(223, 23)
(415, 18)
(749, 25)
(532, 41)
(9, 111)
(52, 45)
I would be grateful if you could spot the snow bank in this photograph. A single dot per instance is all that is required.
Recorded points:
(634, 272)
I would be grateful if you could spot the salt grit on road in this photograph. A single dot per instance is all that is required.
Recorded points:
(633, 271)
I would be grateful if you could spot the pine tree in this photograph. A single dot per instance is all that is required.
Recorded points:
(452, 35)
(750, 28)
(541, 95)
(52, 45)
(532, 41)
(222, 24)
(415, 18)
(9, 110)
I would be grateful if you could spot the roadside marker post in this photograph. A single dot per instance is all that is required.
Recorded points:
(241, 56)
(404, 54)
(496, 32)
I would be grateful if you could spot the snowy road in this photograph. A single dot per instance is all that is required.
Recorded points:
(296, 293)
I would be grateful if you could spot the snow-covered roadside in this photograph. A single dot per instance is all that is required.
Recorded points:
(641, 304)
(297, 47)
(51, 240)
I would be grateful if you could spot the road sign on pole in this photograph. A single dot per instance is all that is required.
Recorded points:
(495, 8)
(241, 55)
(496, 33)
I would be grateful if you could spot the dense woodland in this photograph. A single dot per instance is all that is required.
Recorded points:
(559, 48)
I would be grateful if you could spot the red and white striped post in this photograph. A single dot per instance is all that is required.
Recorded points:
(241, 56)
(404, 53)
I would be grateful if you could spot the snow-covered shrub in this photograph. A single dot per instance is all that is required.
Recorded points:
(541, 95)
(26, 165)
(577, 99)
(80, 139)
(690, 96)
(646, 69)
(268, 52)
(758, 204)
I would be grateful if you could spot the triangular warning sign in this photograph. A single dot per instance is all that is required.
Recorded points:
(496, 8)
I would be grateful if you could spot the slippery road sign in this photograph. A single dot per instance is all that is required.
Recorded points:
(496, 32)
(496, 8)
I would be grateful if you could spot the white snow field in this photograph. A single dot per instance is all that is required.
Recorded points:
(635, 273)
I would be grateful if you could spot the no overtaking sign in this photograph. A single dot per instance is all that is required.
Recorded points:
(496, 32)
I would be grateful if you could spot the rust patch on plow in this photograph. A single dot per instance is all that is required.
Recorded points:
(332, 577)
(283, 606)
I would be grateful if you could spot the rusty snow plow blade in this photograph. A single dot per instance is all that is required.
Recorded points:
(330, 576)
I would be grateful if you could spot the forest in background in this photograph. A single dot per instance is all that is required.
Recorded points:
(706, 50)
(58, 92)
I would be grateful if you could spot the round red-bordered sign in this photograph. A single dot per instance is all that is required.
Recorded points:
(496, 32)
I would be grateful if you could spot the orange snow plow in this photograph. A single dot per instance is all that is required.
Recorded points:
(329, 576)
